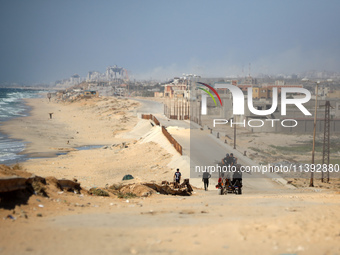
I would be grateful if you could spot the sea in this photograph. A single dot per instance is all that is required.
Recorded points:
(12, 106)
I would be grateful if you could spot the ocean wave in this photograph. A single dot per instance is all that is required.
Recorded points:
(12, 112)
(8, 156)
(10, 100)
(15, 148)
(12, 106)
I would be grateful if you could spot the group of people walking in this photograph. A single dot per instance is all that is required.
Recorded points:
(228, 160)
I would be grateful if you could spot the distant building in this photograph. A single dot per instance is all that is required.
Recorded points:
(219, 86)
(334, 94)
(93, 76)
(158, 94)
(177, 88)
(250, 80)
(112, 73)
(262, 92)
(337, 109)
(279, 83)
(73, 80)
(90, 93)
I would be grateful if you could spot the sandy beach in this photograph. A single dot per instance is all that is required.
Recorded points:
(89, 122)
(276, 221)
(95, 122)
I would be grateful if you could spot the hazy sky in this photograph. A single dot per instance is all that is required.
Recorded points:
(42, 41)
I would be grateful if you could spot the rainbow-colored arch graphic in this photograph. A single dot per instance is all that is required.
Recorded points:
(211, 88)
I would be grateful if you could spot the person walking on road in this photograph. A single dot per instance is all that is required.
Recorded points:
(205, 179)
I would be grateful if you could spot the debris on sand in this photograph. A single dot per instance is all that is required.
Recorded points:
(69, 185)
(140, 190)
(167, 188)
(98, 192)
(147, 189)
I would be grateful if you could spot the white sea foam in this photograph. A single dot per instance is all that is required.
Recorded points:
(11, 106)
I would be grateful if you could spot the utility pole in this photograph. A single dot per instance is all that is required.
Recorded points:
(234, 121)
(311, 183)
(199, 113)
(325, 151)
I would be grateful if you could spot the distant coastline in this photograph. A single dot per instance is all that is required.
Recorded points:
(29, 87)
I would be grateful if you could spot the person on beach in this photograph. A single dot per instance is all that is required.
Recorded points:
(205, 179)
(177, 177)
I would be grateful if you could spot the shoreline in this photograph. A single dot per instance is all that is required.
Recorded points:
(12, 127)
(20, 155)
(36, 127)
(54, 147)
(8, 132)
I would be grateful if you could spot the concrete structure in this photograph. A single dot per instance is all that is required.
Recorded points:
(178, 89)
